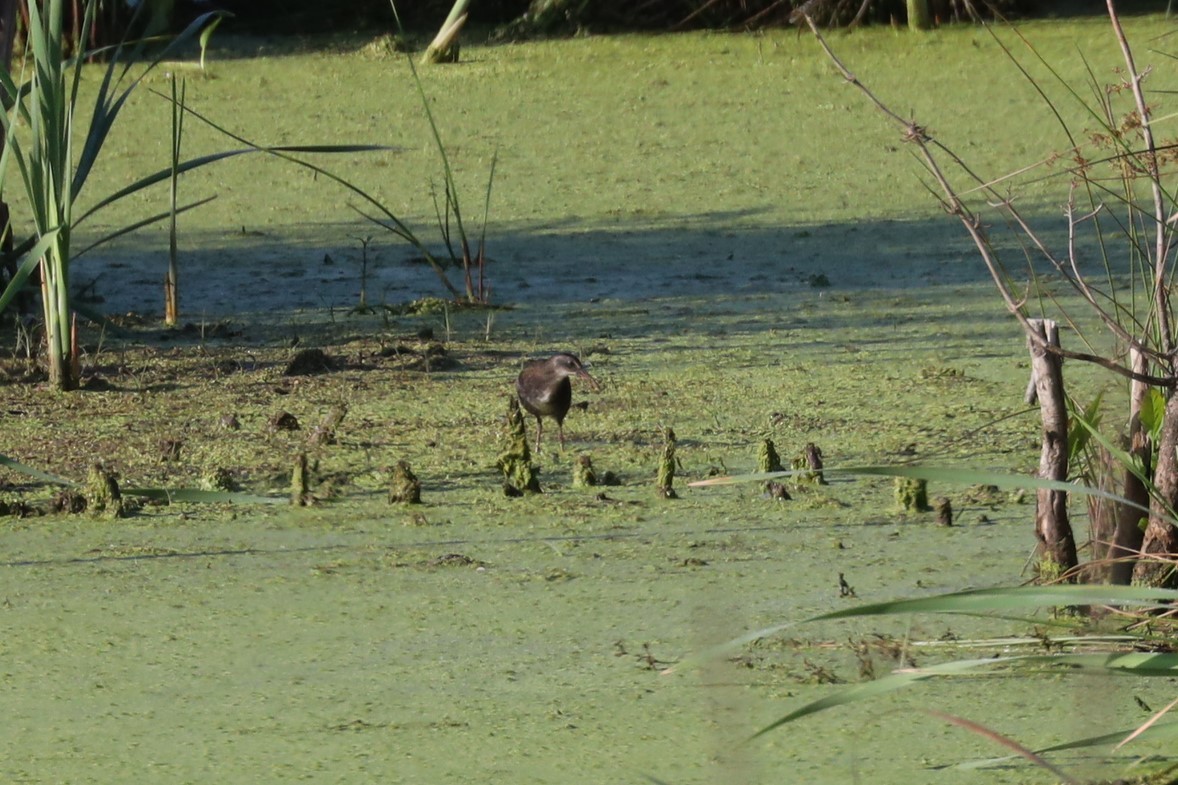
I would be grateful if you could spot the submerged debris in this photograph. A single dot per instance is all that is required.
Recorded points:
(18, 508)
(324, 432)
(646, 658)
(944, 511)
(666, 476)
(769, 461)
(426, 306)
(767, 458)
(583, 474)
(428, 355)
(814, 460)
(310, 361)
(777, 491)
(808, 465)
(102, 493)
(519, 476)
(456, 560)
(300, 483)
(404, 487)
(283, 421)
(68, 500)
(170, 449)
(912, 494)
(219, 478)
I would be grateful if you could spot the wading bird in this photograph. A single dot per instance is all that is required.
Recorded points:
(544, 390)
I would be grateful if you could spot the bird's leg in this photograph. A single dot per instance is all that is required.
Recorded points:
(560, 433)
(539, 432)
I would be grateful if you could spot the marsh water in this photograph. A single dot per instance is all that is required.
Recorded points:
(741, 248)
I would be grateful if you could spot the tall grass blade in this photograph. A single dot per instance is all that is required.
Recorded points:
(204, 160)
(107, 104)
(1131, 664)
(37, 474)
(1161, 732)
(989, 600)
(1084, 420)
(32, 258)
(47, 107)
(1151, 722)
(872, 689)
(1005, 741)
(134, 227)
(1165, 730)
(977, 602)
(1022, 598)
(172, 278)
(395, 224)
(205, 36)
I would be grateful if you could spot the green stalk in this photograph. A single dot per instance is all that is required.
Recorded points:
(389, 220)
(205, 36)
(40, 128)
(444, 49)
(452, 206)
(172, 280)
(47, 176)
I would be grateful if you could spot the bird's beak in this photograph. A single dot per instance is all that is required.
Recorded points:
(593, 385)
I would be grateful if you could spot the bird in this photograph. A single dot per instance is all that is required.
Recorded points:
(544, 390)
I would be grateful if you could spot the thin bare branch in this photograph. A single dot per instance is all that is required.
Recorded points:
(951, 202)
(1161, 250)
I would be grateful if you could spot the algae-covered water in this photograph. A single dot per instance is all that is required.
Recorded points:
(663, 206)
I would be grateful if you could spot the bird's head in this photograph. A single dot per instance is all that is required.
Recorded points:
(567, 365)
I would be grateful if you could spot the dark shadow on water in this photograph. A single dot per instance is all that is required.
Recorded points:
(664, 265)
